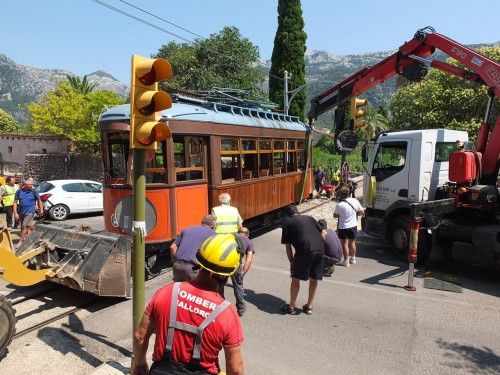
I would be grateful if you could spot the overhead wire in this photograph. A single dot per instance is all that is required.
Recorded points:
(138, 19)
(162, 19)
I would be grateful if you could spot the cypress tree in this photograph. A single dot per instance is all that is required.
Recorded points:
(288, 54)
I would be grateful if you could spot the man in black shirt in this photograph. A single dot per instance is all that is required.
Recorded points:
(306, 236)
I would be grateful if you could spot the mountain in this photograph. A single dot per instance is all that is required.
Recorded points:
(21, 85)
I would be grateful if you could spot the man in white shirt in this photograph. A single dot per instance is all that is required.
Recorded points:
(347, 212)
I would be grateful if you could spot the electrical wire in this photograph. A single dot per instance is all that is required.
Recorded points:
(162, 19)
(142, 21)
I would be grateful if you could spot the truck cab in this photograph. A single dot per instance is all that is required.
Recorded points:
(403, 168)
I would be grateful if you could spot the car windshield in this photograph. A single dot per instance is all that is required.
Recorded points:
(45, 187)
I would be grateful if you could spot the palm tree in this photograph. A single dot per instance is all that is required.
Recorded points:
(81, 85)
(376, 121)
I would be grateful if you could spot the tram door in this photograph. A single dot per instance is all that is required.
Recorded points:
(190, 185)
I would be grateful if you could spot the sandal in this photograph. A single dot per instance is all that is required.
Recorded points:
(288, 310)
(307, 309)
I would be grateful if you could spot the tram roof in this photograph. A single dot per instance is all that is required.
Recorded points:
(217, 113)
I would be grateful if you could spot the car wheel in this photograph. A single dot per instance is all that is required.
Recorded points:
(59, 212)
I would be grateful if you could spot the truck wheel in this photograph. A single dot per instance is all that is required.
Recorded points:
(7, 324)
(401, 233)
(59, 212)
(401, 238)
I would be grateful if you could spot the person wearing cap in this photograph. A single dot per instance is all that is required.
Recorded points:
(8, 192)
(186, 244)
(192, 323)
(228, 218)
(25, 205)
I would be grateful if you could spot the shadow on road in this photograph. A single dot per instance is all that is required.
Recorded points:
(465, 357)
(76, 326)
(265, 302)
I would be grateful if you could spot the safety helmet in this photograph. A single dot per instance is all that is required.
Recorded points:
(220, 254)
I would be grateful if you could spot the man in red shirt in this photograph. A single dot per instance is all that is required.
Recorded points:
(179, 312)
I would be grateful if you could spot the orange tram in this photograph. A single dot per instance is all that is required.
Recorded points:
(257, 156)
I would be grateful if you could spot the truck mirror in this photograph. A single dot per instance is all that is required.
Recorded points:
(347, 141)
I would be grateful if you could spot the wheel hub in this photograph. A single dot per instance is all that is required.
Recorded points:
(400, 239)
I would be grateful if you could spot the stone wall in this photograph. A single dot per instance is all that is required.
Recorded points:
(44, 167)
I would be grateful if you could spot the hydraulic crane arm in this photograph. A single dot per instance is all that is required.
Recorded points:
(411, 61)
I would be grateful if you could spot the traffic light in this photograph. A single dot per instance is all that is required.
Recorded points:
(147, 102)
(356, 113)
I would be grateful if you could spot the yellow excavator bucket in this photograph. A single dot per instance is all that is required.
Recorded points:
(94, 262)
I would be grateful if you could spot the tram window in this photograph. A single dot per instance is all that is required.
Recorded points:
(278, 163)
(249, 165)
(290, 145)
(291, 161)
(189, 157)
(118, 154)
(156, 171)
(265, 145)
(230, 165)
(300, 145)
(229, 144)
(279, 145)
(265, 164)
(248, 145)
(301, 166)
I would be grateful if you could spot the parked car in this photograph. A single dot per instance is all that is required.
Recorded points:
(64, 197)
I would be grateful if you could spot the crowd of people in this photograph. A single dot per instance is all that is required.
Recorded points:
(190, 318)
(20, 203)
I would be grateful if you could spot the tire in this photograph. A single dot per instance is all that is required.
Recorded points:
(400, 238)
(59, 212)
(7, 324)
(400, 233)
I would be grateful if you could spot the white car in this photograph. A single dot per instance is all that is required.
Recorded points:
(64, 197)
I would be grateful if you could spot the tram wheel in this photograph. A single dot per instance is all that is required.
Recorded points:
(7, 324)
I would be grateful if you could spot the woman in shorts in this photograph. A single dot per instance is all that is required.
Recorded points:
(347, 211)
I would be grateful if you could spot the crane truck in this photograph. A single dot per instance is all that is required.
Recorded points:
(435, 174)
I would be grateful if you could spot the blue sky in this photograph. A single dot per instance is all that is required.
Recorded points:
(82, 36)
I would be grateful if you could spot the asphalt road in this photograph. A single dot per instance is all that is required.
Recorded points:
(363, 322)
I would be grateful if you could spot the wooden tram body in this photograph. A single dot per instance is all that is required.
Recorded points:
(256, 156)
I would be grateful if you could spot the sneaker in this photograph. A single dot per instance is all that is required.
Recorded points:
(241, 311)
(352, 260)
(344, 263)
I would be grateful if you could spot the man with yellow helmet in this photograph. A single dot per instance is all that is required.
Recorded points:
(191, 321)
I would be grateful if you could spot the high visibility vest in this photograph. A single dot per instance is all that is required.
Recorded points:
(8, 196)
(227, 219)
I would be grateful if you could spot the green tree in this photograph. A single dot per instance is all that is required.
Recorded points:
(443, 101)
(376, 122)
(65, 111)
(225, 59)
(288, 54)
(81, 85)
(7, 123)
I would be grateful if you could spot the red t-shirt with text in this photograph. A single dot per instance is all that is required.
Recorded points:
(193, 306)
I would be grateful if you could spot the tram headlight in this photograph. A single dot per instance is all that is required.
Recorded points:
(147, 102)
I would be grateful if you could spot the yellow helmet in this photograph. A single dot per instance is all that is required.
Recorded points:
(219, 254)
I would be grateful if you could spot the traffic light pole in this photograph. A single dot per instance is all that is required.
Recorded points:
(139, 235)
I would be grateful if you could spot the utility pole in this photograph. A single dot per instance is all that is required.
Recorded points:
(286, 100)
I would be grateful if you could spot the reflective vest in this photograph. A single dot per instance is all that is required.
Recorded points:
(227, 219)
(174, 324)
(8, 196)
